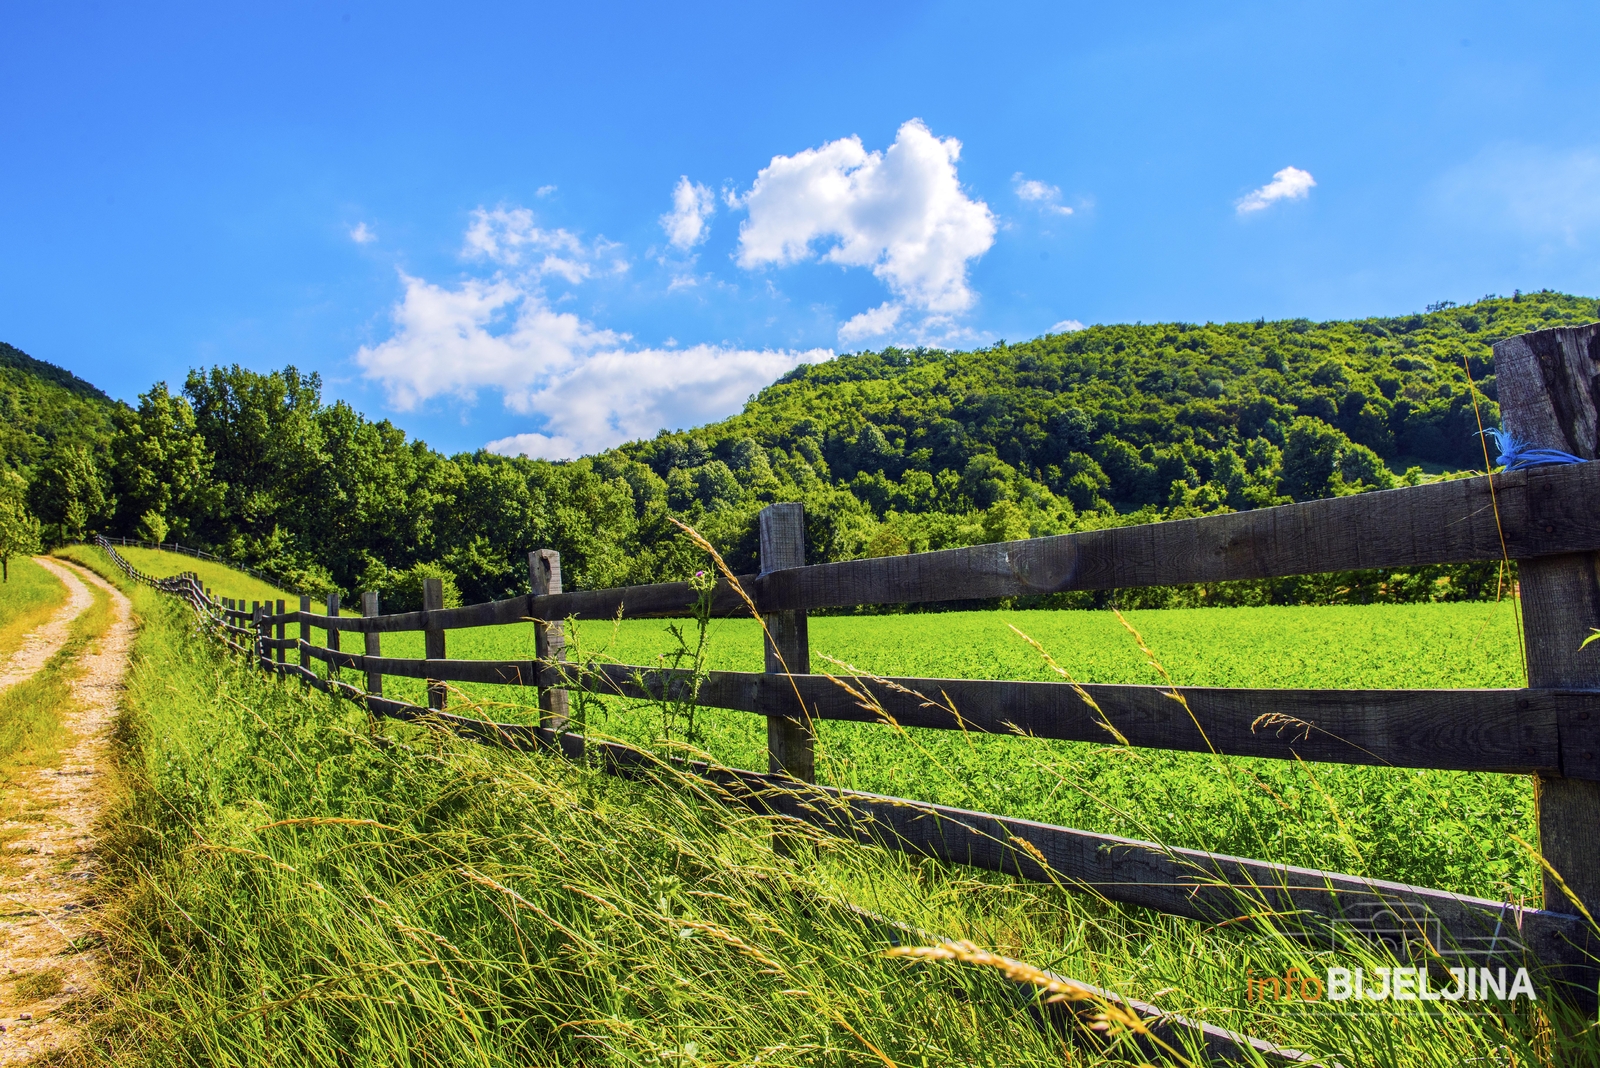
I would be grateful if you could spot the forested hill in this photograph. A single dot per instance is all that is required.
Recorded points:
(891, 452)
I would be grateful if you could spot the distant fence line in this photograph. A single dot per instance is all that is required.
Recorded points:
(200, 554)
(1546, 519)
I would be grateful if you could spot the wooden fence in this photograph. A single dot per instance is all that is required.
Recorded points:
(1546, 518)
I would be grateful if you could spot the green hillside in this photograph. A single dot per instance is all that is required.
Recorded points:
(893, 451)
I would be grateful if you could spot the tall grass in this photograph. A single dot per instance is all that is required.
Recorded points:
(29, 599)
(291, 888)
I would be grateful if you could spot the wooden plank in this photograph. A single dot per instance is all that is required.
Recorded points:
(1546, 382)
(1204, 886)
(279, 624)
(550, 644)
(433, 637)
(373, 642)
(333, 635)
(1506, 731)
(791, 745)
(305, 634)
(1544, 512)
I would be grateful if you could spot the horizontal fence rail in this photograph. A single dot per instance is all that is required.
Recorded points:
(1542, 512)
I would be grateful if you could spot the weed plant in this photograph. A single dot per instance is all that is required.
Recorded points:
(287, 887)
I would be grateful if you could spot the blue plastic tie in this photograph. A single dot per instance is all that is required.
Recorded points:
(1516, 455)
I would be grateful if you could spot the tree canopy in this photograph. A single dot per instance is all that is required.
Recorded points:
(892, 451)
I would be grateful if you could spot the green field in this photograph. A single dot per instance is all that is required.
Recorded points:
(26, 601)
(283, 888)
(1361, 820)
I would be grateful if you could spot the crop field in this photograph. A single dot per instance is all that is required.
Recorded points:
(1361, 820)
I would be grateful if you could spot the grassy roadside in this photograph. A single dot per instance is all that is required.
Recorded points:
(28, 600)
(223, 581)
(32, 733)
(289, 888)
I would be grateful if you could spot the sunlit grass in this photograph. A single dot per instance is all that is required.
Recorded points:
(28, 600)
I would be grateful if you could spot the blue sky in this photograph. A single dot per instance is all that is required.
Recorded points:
(557, 227)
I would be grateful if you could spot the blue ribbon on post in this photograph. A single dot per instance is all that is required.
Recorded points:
(1517, 455)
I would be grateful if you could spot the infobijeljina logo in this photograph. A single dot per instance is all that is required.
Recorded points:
(1391, 984)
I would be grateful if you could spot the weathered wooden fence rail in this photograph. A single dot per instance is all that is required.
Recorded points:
(1547, 519)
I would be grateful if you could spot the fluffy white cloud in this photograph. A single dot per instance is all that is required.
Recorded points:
(1046, 197)
(361, 235)
(1066, 326)
(590, 389)
(901, 212)
(1291, 183)
(509, 237)
(874, 322)
(692, 205)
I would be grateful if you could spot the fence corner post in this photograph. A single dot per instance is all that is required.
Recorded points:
(549, 639)
(1543, 383)
(433, 638)
(791, 744)
(372, 645)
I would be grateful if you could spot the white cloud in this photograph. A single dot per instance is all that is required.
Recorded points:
(508, 237)
(1548, 196)
(874, 322)
(1291, 183)
(544, 190)
(361, 235)
(1066, 326)
(1047, 197)
(692, 205)
(589, 388)
(901, 212)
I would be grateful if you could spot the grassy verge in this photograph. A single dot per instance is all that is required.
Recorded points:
(28, 600)
(292, 889)
(223, 581)
(32, 733)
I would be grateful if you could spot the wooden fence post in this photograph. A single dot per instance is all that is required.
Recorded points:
(373, 644)
(305, 638)
(333, 635)
(283, 630)
(549, 640)
(791, 745)
(433, 638)
(256, 628)
(1544, 385)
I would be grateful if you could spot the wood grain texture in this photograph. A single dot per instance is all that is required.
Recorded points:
(1507, 731)
(1547, 382)
(1544, 511)
(280, 630)
(791, 744)
(550, 644)
(372, 642)
(305, 618)
(333, 634)
(433, 637)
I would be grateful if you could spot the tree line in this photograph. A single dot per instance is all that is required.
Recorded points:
(892, 451)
